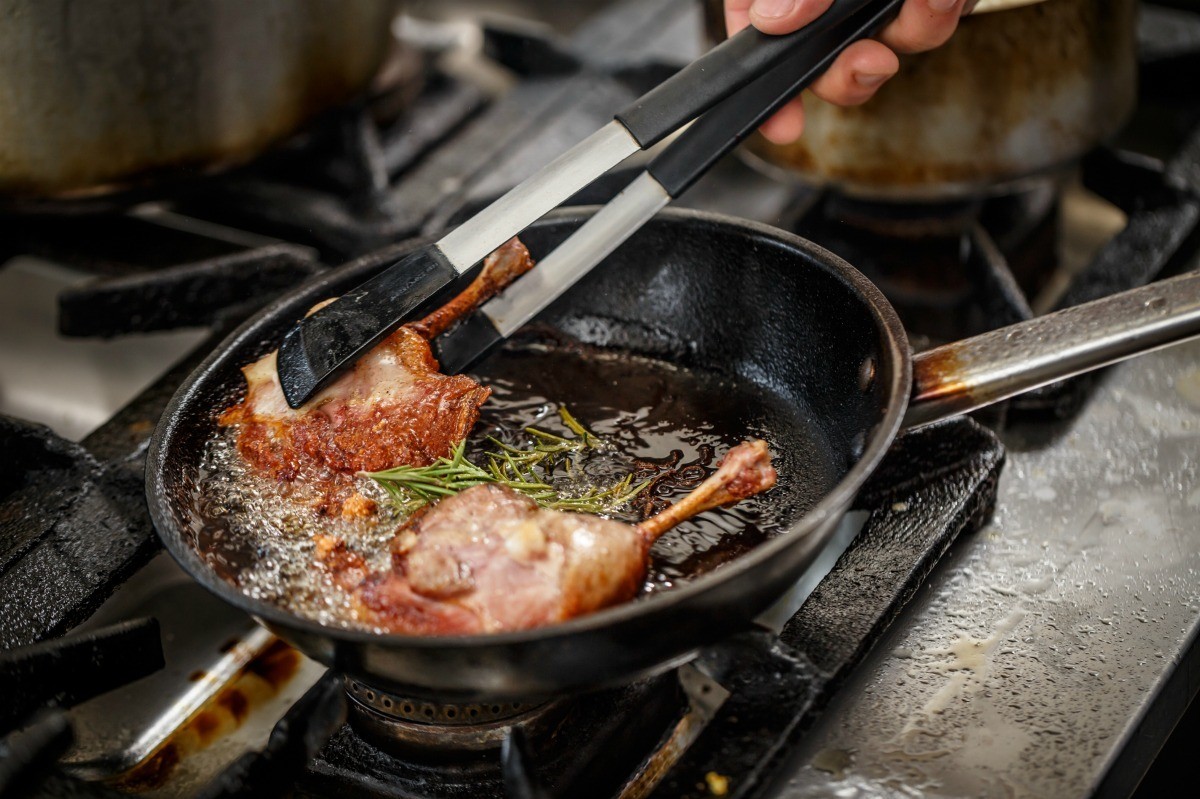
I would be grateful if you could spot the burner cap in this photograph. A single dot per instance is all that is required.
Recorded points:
(403, 725)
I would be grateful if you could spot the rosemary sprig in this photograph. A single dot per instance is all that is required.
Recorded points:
(525, 470)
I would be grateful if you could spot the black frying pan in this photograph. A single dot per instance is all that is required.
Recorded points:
(718, 293)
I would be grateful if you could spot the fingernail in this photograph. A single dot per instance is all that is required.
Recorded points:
(942, 6)
(772, 9)
(869, 81)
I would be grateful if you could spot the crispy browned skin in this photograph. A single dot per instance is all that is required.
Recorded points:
(490, 560)
(393, 408)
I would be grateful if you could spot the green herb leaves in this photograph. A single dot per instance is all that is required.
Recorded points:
(525, 470)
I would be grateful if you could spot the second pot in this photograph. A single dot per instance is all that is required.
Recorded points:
(1015, 92)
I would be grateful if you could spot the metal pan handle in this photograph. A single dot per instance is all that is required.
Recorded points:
(957, 378)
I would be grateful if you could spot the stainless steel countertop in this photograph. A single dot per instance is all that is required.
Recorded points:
(1025, 666)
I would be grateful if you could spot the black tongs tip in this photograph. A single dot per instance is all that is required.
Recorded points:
(296, 375)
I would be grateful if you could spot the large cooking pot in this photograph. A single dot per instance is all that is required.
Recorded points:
(106, 92)
(1019, 89)
(741, 299)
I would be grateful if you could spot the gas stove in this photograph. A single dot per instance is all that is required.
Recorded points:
(1031, 619)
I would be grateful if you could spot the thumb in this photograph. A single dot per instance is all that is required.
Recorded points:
(785, 16)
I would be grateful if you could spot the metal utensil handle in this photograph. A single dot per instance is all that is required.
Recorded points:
(957, 378)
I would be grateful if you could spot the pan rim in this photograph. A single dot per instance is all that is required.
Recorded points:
(894, 347)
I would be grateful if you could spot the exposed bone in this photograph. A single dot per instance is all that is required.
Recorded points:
(745, 470)
(500, 269)
(489, 559)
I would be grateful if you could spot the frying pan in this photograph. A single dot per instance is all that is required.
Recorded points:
(727, 295)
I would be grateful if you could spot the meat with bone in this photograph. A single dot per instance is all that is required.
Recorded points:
(393, 408)
(489, 559)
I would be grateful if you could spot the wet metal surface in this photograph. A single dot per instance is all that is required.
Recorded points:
(187, 721)
(1027, 663)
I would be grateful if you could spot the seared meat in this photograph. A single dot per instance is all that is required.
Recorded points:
(393, 408)
(489, 559)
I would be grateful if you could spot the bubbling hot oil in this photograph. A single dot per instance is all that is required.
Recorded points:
(262, 533)
(663, 423)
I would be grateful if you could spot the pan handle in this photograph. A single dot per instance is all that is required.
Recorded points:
(957, 378)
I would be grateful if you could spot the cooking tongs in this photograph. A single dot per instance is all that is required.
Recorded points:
(743, 81)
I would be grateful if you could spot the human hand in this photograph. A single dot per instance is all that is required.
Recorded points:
(863, 66)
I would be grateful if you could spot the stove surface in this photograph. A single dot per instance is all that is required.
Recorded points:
(1048, 653)
(72, 385)
(1039, 647)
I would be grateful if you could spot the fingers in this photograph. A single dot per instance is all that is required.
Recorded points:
(853, 78)
(737, 15)
(857, 73)
(776, 16)
(923, 25)
(785, 16)
(864, 66)
(787, 124)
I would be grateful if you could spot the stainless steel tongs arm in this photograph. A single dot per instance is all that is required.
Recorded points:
(667, 176)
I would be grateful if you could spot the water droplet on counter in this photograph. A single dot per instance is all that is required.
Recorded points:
(833, 761)
(1187, 386)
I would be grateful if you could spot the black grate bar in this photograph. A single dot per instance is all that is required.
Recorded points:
(188, 295)
(27, 756)
(72, 669)
(520, 780)
(527, 49)
(1000, 297)
(1185, 166)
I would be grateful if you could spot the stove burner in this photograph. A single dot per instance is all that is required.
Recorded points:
(902, 220)
(403, 725)
(584, 745)
(939, 263)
